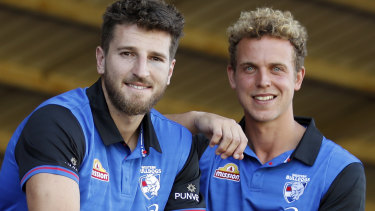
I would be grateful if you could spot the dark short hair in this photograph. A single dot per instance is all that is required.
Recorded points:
(147, 14)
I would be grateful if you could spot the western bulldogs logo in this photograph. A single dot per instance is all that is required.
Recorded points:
(153, 207)
(291, 209)
(293, 190)
(150, 185)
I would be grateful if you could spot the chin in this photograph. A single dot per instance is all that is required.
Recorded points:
(262, 117)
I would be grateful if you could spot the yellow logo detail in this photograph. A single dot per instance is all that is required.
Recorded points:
(98, 172)
(230, 168)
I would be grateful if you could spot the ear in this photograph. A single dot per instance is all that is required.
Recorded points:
(299, 78)
(100, 60)
(170, 72)
(231, 75)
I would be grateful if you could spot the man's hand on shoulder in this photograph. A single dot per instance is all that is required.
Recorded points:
(222, 131)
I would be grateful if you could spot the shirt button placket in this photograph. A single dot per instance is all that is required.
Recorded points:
(257, 179)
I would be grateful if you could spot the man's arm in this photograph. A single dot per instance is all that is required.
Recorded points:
(348, 190)
(221, 131)
(52, 192)
(49, 153)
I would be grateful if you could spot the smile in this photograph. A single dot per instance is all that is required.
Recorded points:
(138, 87)
(264, 98)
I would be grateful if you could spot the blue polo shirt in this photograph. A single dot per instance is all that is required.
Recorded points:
(73, 135)
(317, 175)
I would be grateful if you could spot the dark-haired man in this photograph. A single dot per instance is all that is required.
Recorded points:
(104, 147)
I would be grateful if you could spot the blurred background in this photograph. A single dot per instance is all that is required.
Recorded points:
(48, 47)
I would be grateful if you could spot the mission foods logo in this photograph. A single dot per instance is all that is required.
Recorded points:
(229, 172)
(98, 172)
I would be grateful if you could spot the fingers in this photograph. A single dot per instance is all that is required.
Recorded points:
(216, 136)
(238, 153)
(230, 139)
(225, 149)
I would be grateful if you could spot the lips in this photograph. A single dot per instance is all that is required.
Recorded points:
(139, 87)
(138, 83)
(264, 97)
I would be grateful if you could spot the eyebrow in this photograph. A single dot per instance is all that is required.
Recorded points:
(271, 64)
(248, 64)
(154, 53)
(278, 64)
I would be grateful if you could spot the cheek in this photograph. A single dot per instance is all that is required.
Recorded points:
(160, 72)
(245, 83)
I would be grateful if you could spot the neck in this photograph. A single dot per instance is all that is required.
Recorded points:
(128, 125)
(270, 139)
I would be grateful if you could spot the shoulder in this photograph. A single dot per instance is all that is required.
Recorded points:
(51, 120)
(336, 154)
(347, 191)
(75, 99)
(333, 159)
(51, 113)
(52, 136)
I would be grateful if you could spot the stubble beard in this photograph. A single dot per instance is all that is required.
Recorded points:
(131, 106)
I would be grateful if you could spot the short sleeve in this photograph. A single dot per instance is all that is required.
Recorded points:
(201, 143)
(52, 141)
(185, 194)
(347, 191)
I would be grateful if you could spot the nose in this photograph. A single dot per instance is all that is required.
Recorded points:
(140, 68)
(263, 79)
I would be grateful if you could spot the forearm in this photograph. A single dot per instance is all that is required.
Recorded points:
(221, 131)
(187, 119)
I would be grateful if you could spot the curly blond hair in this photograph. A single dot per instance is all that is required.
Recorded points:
(274, 23)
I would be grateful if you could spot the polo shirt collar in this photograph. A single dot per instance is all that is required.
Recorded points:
(106, 126)
(308, 148)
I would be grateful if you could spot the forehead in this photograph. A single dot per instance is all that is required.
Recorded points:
(125, 35)
(267, 49)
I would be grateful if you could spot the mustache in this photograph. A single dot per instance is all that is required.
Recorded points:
(134, 79)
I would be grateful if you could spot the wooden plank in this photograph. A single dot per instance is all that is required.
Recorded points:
(89, 13)
(365, 5)
(319, 69)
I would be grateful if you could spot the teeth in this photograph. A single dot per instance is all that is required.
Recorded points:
(264, 98)
(137, 87)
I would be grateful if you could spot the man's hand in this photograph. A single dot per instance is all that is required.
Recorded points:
(221, 131)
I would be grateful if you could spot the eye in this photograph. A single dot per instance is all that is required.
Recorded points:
(157, 59)
(277, 69)
(126, 53)
(249, 69)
